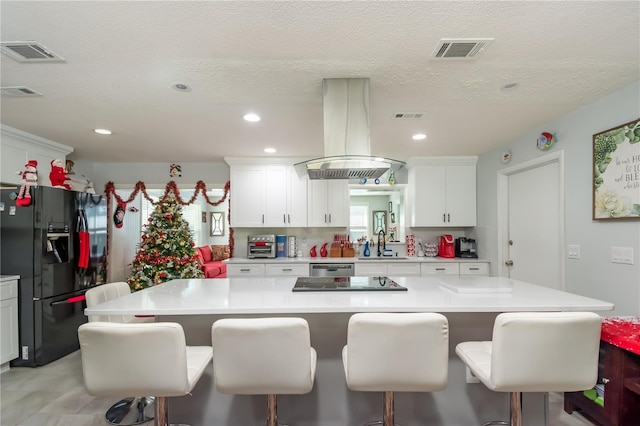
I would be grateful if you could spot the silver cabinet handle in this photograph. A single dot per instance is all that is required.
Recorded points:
(441, 269)
(284, 218)
(448, 217)
(287, 270)
(444, 217)
(474, 269)
(263, 219)
(289, 218)
(329, 217)
(325, 218)
(245, 270)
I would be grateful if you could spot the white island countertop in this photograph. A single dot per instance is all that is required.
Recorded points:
(275, 296)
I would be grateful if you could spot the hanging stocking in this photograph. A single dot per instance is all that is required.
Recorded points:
(118, 216)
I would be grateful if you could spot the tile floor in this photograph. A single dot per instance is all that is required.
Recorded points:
(53, 395)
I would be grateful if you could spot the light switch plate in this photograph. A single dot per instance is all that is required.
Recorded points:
(622, 255)
(574, 251)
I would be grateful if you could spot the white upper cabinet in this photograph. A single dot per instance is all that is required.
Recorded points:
(247, 195)
(442, 191)
(328, 203)
(267, 195)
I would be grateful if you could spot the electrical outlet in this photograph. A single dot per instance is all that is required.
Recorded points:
(622, 255)
(25, 352)
(574, 251)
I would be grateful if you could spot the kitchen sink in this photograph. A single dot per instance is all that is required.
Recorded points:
(384, 258)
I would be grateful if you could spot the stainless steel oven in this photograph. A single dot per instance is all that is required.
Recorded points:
(261, 246)
(331, 269)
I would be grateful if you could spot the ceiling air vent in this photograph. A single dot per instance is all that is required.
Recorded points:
(460, 48)
(21, 91)
(407, 115)
(29, 51)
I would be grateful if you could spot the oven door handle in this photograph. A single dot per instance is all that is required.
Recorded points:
(69, 301)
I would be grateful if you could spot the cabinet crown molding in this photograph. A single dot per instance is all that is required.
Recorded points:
(17, 138)
(470, 160)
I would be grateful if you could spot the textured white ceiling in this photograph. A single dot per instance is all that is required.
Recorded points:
(271, 57)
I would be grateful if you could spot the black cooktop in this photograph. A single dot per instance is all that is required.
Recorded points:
(347, 284)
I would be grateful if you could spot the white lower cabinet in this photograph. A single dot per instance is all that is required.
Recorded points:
(267, 270)
(431, 269)
(245, 270)
(403, 269)
(477, 269)
(285, 270)
(392, 269)
(8, 320)
(370, 269)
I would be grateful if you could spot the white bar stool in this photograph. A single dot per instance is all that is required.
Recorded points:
(140, 359)
(396, 352)
(536, 352)
(263, 356)
(132, 410)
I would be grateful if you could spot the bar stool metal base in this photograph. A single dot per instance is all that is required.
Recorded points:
(131, 411)
(388, 414)
(515, 412)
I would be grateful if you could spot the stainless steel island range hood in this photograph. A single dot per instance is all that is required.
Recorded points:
(347, 149)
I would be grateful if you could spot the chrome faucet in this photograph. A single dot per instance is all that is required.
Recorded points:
(382, 234)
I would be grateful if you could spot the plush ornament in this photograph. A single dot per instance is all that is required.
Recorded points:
(58, 176)
(29, 178)
(118, 216)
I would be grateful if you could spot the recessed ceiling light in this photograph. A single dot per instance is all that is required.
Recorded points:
(251, 117)
(181, 87)
(510, 86)
(269, 150)
(103, 131)
(419, 137)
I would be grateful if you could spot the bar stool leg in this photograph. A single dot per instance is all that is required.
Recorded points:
(162, 416)
(272, 410)
(516, 408)
(388, 415)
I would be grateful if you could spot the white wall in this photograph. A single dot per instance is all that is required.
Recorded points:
(593, 275)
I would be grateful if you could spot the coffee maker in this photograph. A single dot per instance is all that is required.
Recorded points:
(466, 247)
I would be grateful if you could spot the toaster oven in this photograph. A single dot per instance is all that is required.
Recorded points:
(261, 246)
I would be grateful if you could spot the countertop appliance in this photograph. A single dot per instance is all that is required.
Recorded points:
(347, 284)
(331, 269)
(446, 246)
(57, 245)
(466, 248)
(261, 246)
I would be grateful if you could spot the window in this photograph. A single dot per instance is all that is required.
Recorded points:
(191, 213)
(359, 221)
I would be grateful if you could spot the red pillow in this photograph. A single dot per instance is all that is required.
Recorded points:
(206, 253)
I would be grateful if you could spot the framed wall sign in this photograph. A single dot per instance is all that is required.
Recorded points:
(616, 173)
(217, 224)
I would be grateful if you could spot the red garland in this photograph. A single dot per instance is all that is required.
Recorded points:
(110, 190)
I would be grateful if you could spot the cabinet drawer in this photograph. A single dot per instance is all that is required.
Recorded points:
(371, 269)
(9, 290)
(245, 270)
(403, 269)
(440, 269)
(474, 269)
(287, 270)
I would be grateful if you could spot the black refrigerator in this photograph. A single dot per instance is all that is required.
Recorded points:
(57, 245)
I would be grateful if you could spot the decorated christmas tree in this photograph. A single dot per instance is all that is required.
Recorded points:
(167, 250)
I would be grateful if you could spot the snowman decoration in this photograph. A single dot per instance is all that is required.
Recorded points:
(29, 178)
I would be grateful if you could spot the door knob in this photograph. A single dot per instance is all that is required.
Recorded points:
(509, 263)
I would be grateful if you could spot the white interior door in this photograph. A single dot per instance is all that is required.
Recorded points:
(534, 237)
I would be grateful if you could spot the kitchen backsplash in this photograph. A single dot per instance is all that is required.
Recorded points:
(308, 237)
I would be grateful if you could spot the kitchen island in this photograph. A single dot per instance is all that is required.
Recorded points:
(470, 304)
